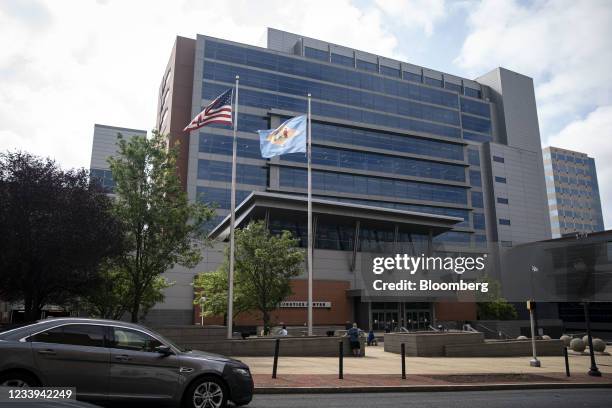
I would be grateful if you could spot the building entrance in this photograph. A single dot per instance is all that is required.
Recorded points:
(392, 316)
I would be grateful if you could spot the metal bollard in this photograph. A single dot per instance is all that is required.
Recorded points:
(276, 348)
(403, 361)
(567, 371)
(340, 358)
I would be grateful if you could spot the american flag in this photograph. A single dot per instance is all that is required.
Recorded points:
(218, 111)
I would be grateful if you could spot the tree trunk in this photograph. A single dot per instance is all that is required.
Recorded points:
(266, 322)
(135, 309)
(28, 306)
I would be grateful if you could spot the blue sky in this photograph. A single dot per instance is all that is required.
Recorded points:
(66, 65)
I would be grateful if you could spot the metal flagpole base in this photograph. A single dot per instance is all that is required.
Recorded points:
(534, 362)
(594, 372)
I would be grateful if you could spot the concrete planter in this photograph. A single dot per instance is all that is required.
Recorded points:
(510, 348)
(429, 344)
(212, 339)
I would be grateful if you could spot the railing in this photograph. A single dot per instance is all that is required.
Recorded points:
(498, 333)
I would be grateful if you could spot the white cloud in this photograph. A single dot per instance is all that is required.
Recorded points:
(420, 14)
(565, 46)
(66, 65)
(591, 135)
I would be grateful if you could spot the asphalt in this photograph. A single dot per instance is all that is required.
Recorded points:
(570, 398)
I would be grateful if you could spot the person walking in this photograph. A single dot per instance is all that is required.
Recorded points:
(353, 335)
(283, 331)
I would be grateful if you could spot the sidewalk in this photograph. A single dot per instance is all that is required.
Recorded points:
(380, 371)
(326, 383)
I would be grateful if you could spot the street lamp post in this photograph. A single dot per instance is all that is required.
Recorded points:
(202, 300)
(534, 362)
(593, 371)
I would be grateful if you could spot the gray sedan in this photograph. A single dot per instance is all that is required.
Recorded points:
(109, 360)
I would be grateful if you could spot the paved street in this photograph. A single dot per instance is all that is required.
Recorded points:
(570, 398)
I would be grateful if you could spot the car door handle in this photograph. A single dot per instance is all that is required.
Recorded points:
(123, 357)
(47, 352)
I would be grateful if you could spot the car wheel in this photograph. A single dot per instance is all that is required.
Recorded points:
(206, 392)
(17, 379)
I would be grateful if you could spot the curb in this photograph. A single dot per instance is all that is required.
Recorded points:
(426, 388)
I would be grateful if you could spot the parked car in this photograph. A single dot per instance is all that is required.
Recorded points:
(108, 360)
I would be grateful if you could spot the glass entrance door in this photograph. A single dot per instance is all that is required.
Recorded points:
(417, 316)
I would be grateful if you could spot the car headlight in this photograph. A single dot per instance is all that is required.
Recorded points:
(242, 371)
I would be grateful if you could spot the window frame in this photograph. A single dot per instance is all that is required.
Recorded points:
(105, 341)
(113, 345)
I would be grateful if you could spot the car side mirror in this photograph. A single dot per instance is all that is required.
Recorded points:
(164, 350)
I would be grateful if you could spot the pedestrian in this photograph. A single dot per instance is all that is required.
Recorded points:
(353, 335)
(283, 331)
(372, 338)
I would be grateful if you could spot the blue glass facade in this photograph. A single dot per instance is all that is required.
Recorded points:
(381, 136)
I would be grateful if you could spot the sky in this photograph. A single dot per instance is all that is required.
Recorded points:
(67, 64)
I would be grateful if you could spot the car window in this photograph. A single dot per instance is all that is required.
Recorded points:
(133, 340)
(50, 336)
(77, 334)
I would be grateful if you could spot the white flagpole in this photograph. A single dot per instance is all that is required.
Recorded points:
(310, 237)
(230, 280)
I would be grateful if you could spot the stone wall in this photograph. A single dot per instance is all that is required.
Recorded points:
(510, 348)
(212, 339)
(429, 344)
(466, 344)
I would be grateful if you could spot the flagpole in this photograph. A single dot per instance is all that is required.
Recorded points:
(310, 237)
(230, 280)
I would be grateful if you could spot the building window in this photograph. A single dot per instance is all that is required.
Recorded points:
(500, 179)
(475, 178)
(476, 124)
(473, 157)
(452, 87)
(433, 82)
(477, 201)
(502, 200)
(342, 60)
(474, 93)
(367, 66)
(498, 159)
(394, 72)
(504, 221)
(475, 107)
(476, 137)
(479, 221)
(320, 55)
(410, 76)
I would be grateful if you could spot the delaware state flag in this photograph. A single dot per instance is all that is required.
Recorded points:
(290, 137)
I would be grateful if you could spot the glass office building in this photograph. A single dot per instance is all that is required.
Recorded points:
(104, 145)
(386, 134)
(381, 136)
(573, 192)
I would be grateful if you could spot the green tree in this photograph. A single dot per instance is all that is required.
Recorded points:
(265, 264)
(491, 305)
(109, 297)
(162, 228)
(213, 287)
(56, 228)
